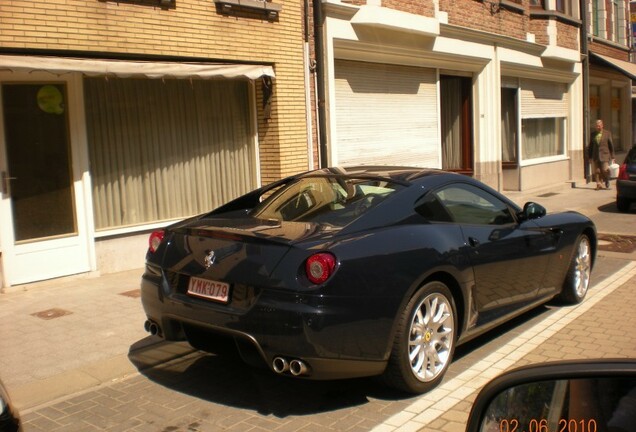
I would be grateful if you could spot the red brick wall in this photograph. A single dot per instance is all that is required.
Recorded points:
(539, 27)
(418, 7)
(609, 50)
(568, 35)
(478, 15)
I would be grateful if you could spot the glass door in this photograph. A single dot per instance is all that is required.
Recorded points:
(38, 177)
(39, 194)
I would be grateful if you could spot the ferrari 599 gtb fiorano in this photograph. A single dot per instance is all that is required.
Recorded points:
(363, 271)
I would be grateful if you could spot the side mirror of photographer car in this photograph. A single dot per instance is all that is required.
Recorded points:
(568, 396)
(9, 419)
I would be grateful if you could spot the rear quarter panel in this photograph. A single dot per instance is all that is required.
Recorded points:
(377, 273)
(571, 225)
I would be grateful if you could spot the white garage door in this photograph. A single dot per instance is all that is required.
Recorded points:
(386, 114)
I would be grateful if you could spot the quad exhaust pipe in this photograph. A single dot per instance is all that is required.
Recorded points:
(295, 367)
(298, 367)
(280, 365)
(152, 327)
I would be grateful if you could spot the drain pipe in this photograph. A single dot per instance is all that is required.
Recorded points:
(585, 54)
(308, 72)
(321, 115)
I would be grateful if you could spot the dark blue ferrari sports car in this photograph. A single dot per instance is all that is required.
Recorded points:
(361, 271)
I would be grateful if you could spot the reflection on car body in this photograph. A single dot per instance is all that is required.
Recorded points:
(363, 271)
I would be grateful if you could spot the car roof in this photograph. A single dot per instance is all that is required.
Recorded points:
(400, 174)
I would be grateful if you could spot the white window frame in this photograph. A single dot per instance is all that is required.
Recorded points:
(155, 224)
(544, 159)
(618, 22)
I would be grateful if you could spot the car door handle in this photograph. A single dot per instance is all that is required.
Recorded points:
(556, 231)
(473, 241)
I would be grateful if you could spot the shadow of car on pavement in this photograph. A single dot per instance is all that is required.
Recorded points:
(225, 379)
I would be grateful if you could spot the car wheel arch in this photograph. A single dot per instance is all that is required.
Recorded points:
(455, 288)
(433, 300)
(458, 296)
(591, 235)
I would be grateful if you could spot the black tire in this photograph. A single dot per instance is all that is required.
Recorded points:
(577, 279)
(623, 204)
(423, 350)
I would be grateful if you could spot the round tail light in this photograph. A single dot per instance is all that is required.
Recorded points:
(155, 240)
(320, 267)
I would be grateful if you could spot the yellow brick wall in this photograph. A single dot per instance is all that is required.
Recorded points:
(192, 28)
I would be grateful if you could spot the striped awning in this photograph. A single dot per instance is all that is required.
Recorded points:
(127, 68)
(626, 68)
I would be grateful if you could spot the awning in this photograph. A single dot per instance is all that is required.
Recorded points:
(626, 68)
(127, 69)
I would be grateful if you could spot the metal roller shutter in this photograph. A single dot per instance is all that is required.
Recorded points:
(386, 114)
(543, 99)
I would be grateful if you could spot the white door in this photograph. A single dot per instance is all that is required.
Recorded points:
(43, 226)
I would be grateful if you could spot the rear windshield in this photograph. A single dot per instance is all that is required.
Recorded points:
(335, 201)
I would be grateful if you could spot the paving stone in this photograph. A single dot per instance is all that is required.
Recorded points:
(205, 393)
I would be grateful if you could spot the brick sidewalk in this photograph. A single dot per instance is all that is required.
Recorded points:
(596, 333)
(200, 392)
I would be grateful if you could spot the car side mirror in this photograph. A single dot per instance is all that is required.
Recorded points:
(584, 396)
(532, 210)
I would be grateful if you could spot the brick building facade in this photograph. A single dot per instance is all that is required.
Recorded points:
(148, 111)
(120, 116)
(493, 89)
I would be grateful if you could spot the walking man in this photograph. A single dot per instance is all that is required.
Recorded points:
(601, 153)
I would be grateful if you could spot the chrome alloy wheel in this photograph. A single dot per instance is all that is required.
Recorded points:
(582, 267)
(431, 337)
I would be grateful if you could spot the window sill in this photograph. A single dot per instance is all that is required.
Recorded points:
(541, 13)
(132, 229)
(543, 160)
(270, 10)
(601, 40)
(464, 171)
(512, 6)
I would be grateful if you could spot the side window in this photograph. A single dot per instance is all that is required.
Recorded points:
(471, 205)
(431, 209)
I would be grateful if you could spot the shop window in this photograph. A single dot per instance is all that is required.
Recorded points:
(616, 118)
(166, 149)
(595, 105)
(543, 137)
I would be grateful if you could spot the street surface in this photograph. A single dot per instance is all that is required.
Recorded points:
(109, 375)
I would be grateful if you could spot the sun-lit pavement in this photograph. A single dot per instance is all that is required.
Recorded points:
(75, 357)
(198, 392)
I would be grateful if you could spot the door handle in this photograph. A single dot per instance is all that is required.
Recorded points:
(473, 241)
(6, 183)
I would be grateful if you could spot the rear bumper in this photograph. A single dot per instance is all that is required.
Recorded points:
(335, 337)
(626, 189)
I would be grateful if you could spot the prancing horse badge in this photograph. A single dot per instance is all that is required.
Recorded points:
(210, 259)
